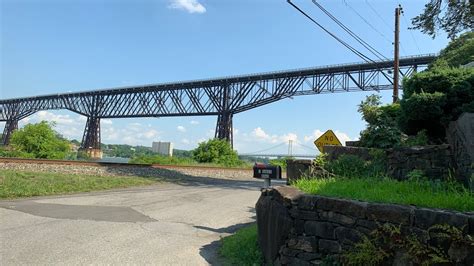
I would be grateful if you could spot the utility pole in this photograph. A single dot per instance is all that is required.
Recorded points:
(398, 12)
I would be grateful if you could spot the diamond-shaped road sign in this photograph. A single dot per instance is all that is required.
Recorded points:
(328, 138)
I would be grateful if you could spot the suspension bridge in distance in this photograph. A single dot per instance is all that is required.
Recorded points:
(266, 153)
(221, 97)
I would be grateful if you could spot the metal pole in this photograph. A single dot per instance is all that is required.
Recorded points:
(398, 11)
(267, 183)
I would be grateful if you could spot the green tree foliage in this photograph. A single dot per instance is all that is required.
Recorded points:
(439, 95)
(424, 111)
(458, 52)
(453, 17)
(216, 151)
(435, 97)
(382, 128)
(39, 141)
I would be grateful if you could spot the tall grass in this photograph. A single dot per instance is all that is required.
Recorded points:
(14, 184)
(422, 193)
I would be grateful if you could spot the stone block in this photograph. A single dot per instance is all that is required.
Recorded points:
(370, 225)
(425, 218)
(303, 243)
(309, 256)
(303, 215)
(319, 229)
(396, 214)
(347, 235)
(285, 251)
(347, 207)
(337, 218)
(471, 224)
(287, 195)
(308, 202)
(329, 246)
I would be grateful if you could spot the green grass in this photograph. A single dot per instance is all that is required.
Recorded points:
(242, 248)
(420, 193)
(14, 184)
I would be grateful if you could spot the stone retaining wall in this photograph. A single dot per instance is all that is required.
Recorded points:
(435, 161)
(300, 229)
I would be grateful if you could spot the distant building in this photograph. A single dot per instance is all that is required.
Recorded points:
(163, 148)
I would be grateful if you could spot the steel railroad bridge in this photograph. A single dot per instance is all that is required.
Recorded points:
(222, 97)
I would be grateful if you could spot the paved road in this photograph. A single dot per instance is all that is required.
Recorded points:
(164, 224)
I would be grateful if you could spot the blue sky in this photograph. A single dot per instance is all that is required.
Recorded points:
(54, 46)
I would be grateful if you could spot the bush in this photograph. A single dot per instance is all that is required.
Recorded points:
(422, 112)
(216, 151)
(457, 86)
(39, 141)
(352, 166)
(382, 128)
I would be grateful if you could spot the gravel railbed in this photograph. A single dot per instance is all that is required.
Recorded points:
(166, 173)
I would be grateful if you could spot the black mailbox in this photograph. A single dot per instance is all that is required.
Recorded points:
(261, 170)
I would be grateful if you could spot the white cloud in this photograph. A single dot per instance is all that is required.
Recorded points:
(181, 129)
(185, 141)
(192, 6)
(260, 133)
(194, 122)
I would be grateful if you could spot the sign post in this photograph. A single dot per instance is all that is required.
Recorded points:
(328, 138)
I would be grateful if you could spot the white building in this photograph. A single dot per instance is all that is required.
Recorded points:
(163, 148)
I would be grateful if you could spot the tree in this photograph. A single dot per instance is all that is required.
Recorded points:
(216, 151)
(40, 141)
(382, 129)
(455, 17)
(435, 97)
(458, 52)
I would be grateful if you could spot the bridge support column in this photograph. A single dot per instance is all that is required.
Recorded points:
(10, 126)
(91, 138)
(224, 127)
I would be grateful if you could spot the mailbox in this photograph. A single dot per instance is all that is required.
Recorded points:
(261, 170)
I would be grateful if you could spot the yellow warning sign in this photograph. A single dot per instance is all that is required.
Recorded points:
(328, 138)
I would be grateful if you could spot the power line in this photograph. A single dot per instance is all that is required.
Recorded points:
(352, 49)
(368, 23)
(350, 32)
(411, 33)
(377, 13)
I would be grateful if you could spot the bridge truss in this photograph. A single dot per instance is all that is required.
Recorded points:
(223, 97)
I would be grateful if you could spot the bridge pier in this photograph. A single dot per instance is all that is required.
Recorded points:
(10, 126)
(224, 127)
(91, 138)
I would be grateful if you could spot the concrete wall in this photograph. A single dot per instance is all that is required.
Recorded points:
(299, 229)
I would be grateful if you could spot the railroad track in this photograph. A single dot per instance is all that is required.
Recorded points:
(110, 164)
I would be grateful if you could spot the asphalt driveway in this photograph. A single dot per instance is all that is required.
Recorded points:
(164, 224)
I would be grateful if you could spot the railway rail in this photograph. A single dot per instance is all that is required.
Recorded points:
(110, 164)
